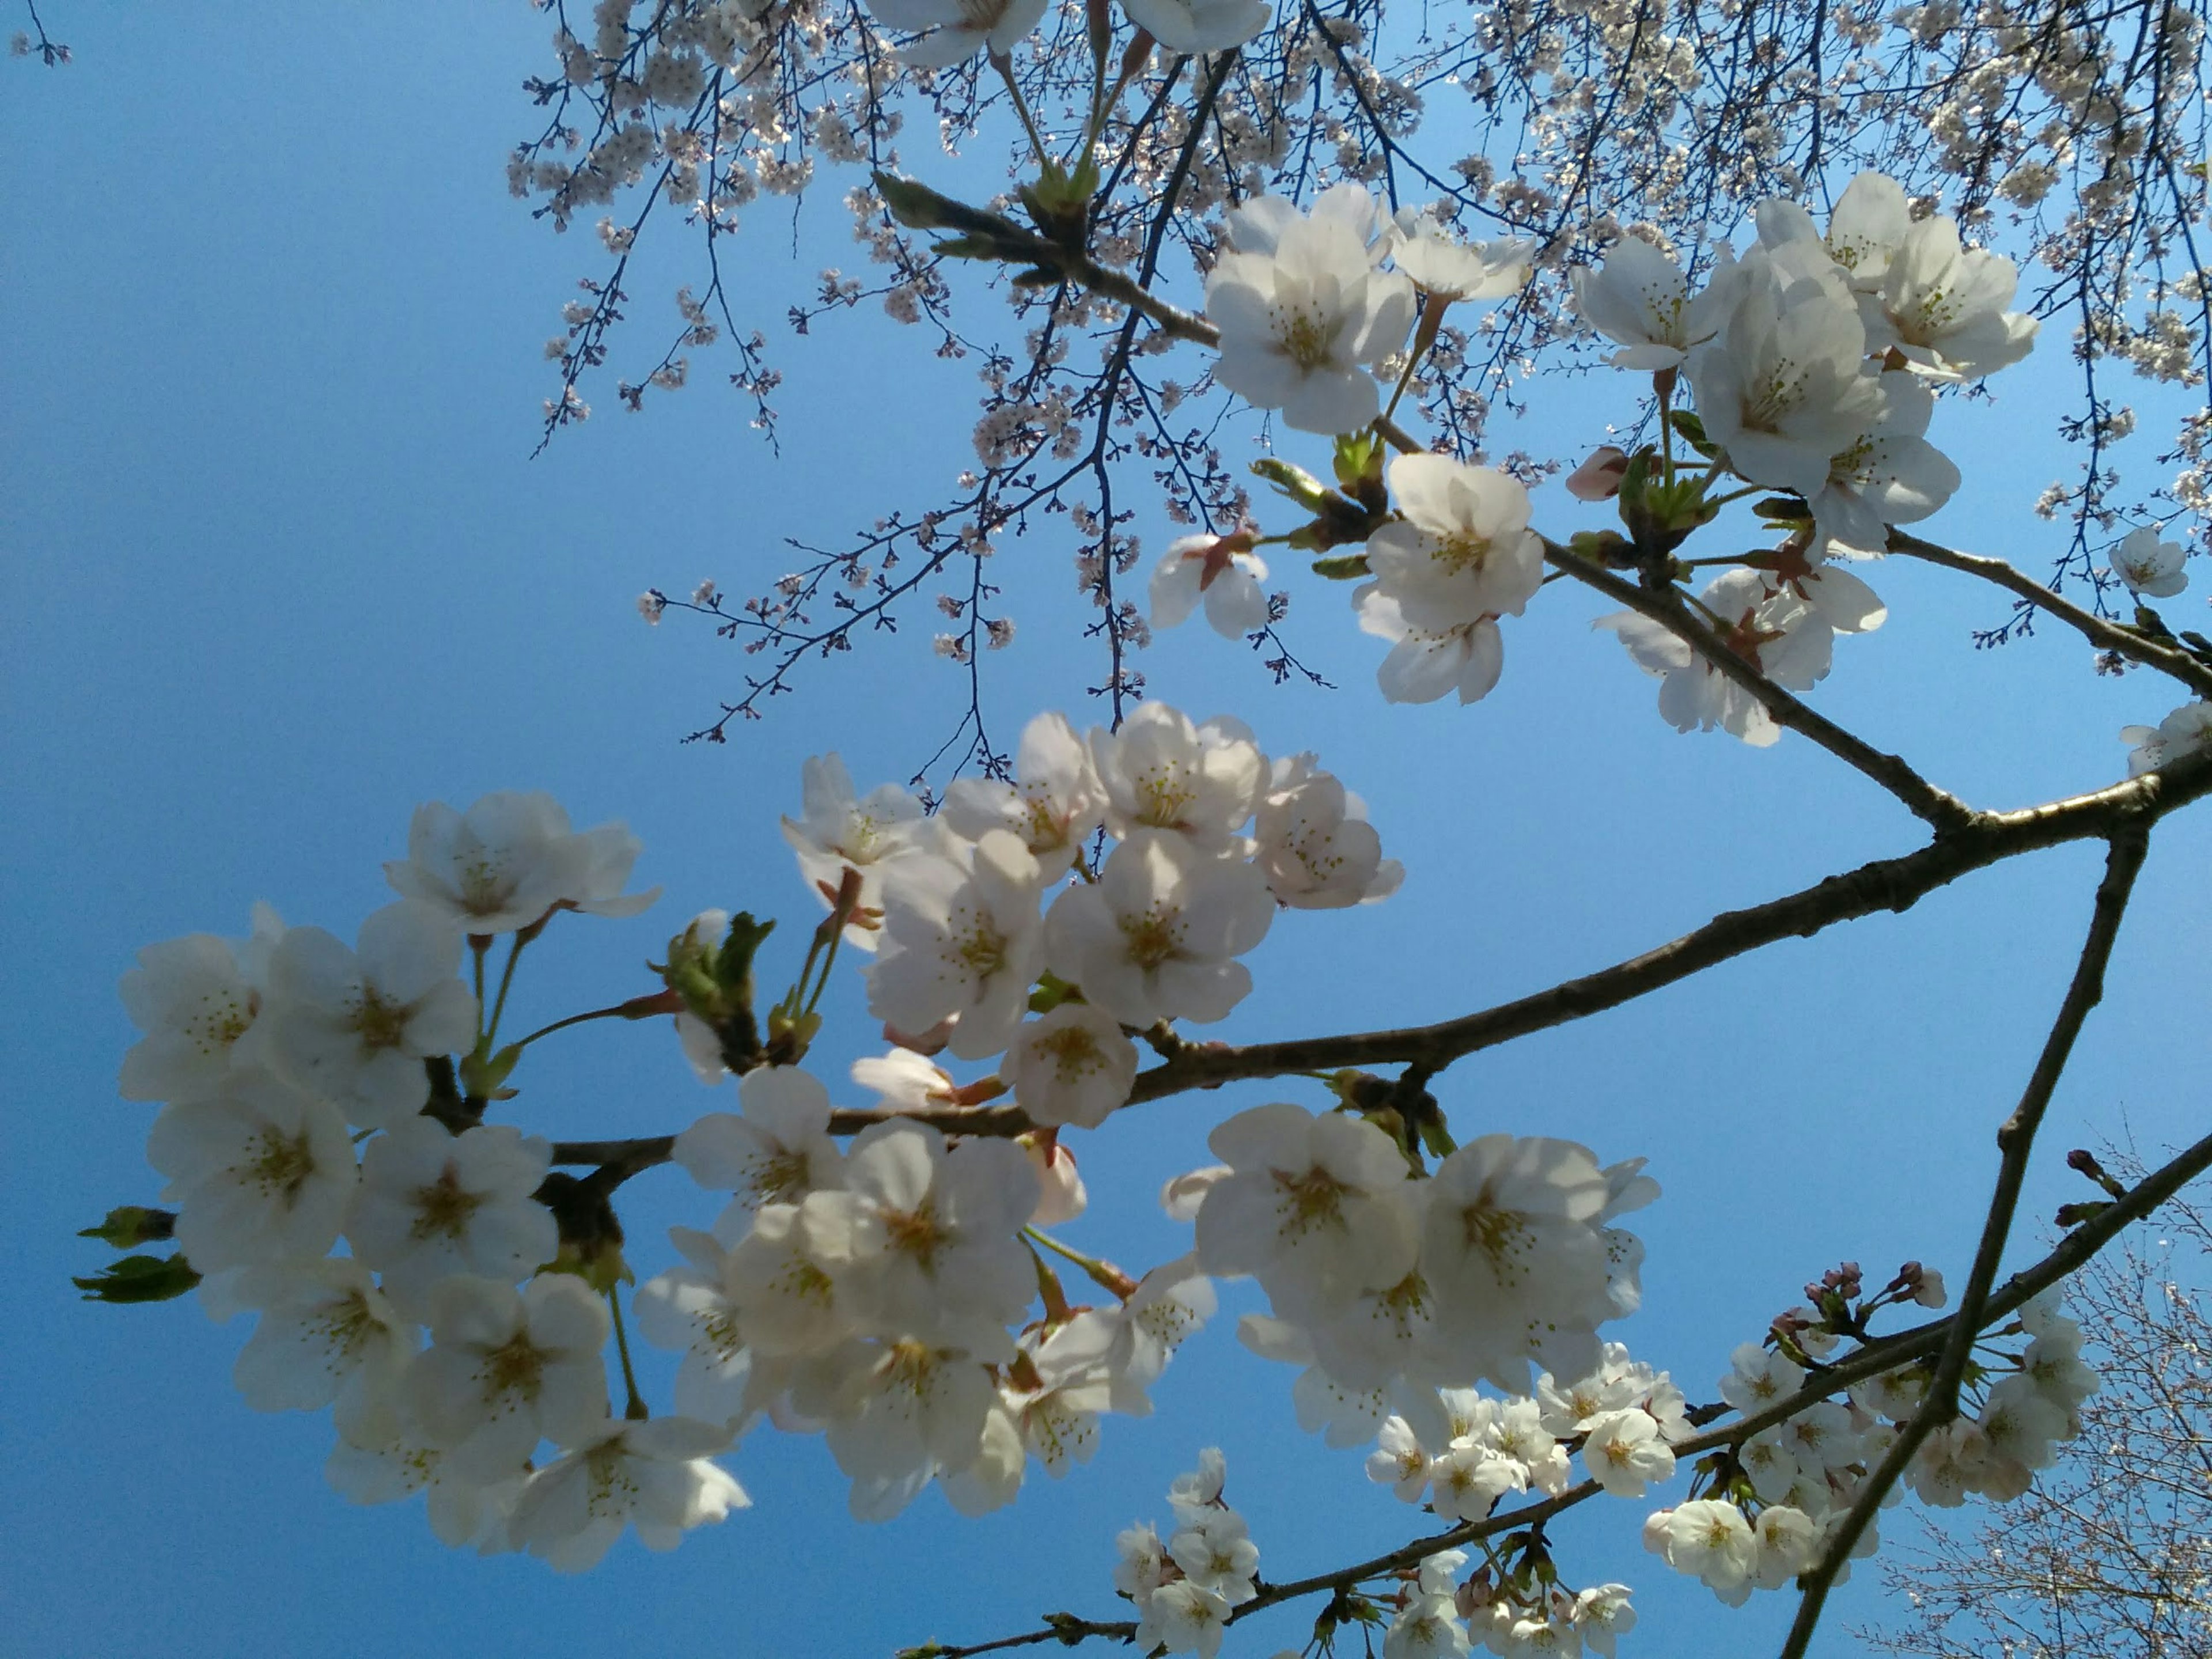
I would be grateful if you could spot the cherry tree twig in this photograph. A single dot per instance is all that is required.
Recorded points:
(2016, 1140)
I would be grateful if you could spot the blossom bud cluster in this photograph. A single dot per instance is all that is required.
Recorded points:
(1186, 1588)
(1381, 1278)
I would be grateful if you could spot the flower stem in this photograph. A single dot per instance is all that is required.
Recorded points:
(636, 1411)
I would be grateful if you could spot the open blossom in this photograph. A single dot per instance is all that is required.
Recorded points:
(511, 859)
(1640, 298)
(1315, 1209)
(1071, 1066)
(1709, 1540)
(2150, 567)
(355, 1026)
(785, 1301)
(1463, 549)
(1258, 224)
(327, 1336)
(1222, 571)
(1624, 1453)
(1162, 772)
(839, 832)
(432, 1204)
(1199, 26)
(1783, 387)
(920, 1239)
(1302, 324)
(259, 1171)
(1871, 219)
(1054, 804)
(1316, 847)
(962, 942)
(1511, 1244)
(2187, 731)
(959, 29)
(654, 1476)
(1448, 269)
(777, 1152)
(898, 1413)
(198, 1000)
(1424, 664)
(1890, 475)
(1942, 307)
(690, 1309)
(1156, 936)
(383, 1461)
(507, 1368)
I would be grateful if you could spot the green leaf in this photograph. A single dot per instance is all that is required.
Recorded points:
(1691, 431)
(1343, 568)
(140, 1278)
(128, 1225)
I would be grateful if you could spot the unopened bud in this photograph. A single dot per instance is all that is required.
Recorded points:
(1598, 479)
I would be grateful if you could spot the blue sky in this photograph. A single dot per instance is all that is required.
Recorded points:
(277, 566)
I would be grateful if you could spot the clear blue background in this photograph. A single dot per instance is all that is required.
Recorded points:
(276, 567)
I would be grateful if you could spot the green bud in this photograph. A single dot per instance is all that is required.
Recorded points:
(1051, 991)
(1343, 568)
(140, 1278)
(128, 1225)
(1295, 482)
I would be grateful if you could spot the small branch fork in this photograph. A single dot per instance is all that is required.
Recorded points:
(1938, 1336)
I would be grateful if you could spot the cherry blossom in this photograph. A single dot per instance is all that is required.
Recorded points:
(776, 1149)
(198, 1000)
(1224, 572)
(260, 1172)
(1639, 298)
(432, 1204)
(511, 859)
(654, 1476)
(1422, 665)
(1162, 772)
(1942, 307)
(356, 1026)
(2150, 567)
(839, 831)
(959, 29)
(1156, 936)
(1055, 804)
(1316, 847)
(506, 1368)
(1302, 324)
(327, 1336)
(1463, 552)
(1451, 270)
(1070, 1065)
(962, 942)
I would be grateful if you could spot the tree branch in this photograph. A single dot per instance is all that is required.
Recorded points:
(2108, 636)
(1945, 811)
(2016, 1140)
(1894, 884)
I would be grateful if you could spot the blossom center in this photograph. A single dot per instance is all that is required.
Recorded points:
(916, 1232)
(443, 1209)
(1502, 1238)
(281, 1164)
(1074, 1053)
(1313, 1199)
(1303, 338)
(1152, 939)
(380, 1024)
(516, 1367)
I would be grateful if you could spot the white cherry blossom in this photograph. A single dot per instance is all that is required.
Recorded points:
(384, 1461)
(922, 1240)
(786, 1303)
(198, 1000)
(1302, 325)
(1070, 1065)
(1162, 772)
(1199, 26)
(1451, 270)
(690, 1309)
(260, 1172)
(898, 1412)
(1463, 552)
(507, 1368)
(1424, 665)
(1222, 572)
(1891, 475)
(1624, 1453)
(356, 1026)
(1316, 847)
(1941, 307)
(961, 942)
(1640, 298)
(432, 1204)
(655, 1476)
(327, 1336)
(1053, 805)
(959, 29)
(1315, 1209)
(511, 859)
(1157, 935)
(839, 831)
(774, 1150)
(2151, 568)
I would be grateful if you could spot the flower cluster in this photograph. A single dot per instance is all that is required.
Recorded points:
(1186, 1588)
(276, 1056)
(1381, 1277)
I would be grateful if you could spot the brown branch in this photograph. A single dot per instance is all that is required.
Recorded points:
(1872, 1360)
(643, 1152)
(1894, 884)
(2107, 635)
(1945, 811)
(2016, 1140)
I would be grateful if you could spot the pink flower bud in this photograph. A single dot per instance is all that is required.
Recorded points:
(1598, 478)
